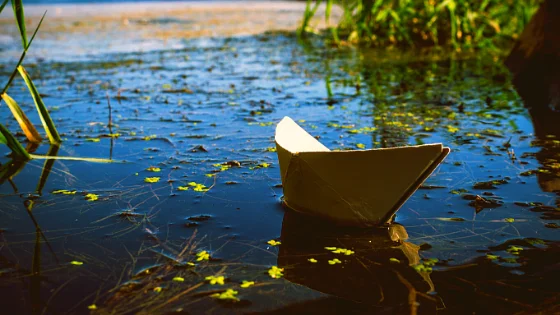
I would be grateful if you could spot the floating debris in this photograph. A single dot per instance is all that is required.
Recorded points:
(229, 294)
(151, 180)
(275, 272)
(220, 280)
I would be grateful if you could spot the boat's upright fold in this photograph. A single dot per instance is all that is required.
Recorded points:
(362, 188)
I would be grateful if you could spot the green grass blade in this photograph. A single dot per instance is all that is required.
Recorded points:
(3, 5)
(14, 145)
(26, 125)
(17, 6)
(46, 119)
(13, 75)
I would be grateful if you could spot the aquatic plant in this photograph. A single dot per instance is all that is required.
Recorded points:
(29, 130)
(460, 23)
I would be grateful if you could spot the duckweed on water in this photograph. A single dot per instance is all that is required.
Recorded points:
(229, 294)
(92, 197)
(220, 280)
(64, 192)
(203, 255)
(273, 243)
(275, 272)
(246, 284)
(151, 180)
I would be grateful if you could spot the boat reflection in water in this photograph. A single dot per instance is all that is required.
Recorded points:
(369, 269)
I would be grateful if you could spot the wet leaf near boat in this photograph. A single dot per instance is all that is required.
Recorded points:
(260, 165)
(273, 243)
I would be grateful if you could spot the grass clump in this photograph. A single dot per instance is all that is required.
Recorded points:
(458, 23)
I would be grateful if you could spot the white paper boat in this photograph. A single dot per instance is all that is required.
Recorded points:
(360, 188)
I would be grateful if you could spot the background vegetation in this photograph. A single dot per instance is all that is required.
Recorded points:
(459, 23)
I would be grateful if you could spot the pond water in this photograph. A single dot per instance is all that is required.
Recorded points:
(195, 171)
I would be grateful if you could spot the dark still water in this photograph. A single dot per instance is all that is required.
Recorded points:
(189, 219)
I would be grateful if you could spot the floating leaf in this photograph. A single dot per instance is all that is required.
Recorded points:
(273, 243)
(151, 180)
(216, 280)
(247, 284)
(93, 139)
(92, 307)
(312, 260)
(229, 294)
(76, 263)
(509, 220)
(183, 188)
(198, 187)
(336, 250)
(158, 289)
(64, 192)
(276, 272)
(334, 261)
(179, 279)
(203, 255)
(394, 260)
(92, 197)
(514, 249)
(153, 169)
(492, 257)
(360, 146)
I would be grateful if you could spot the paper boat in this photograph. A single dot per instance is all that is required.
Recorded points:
(359, 188)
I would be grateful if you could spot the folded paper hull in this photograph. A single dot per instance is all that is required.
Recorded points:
(361, 188)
